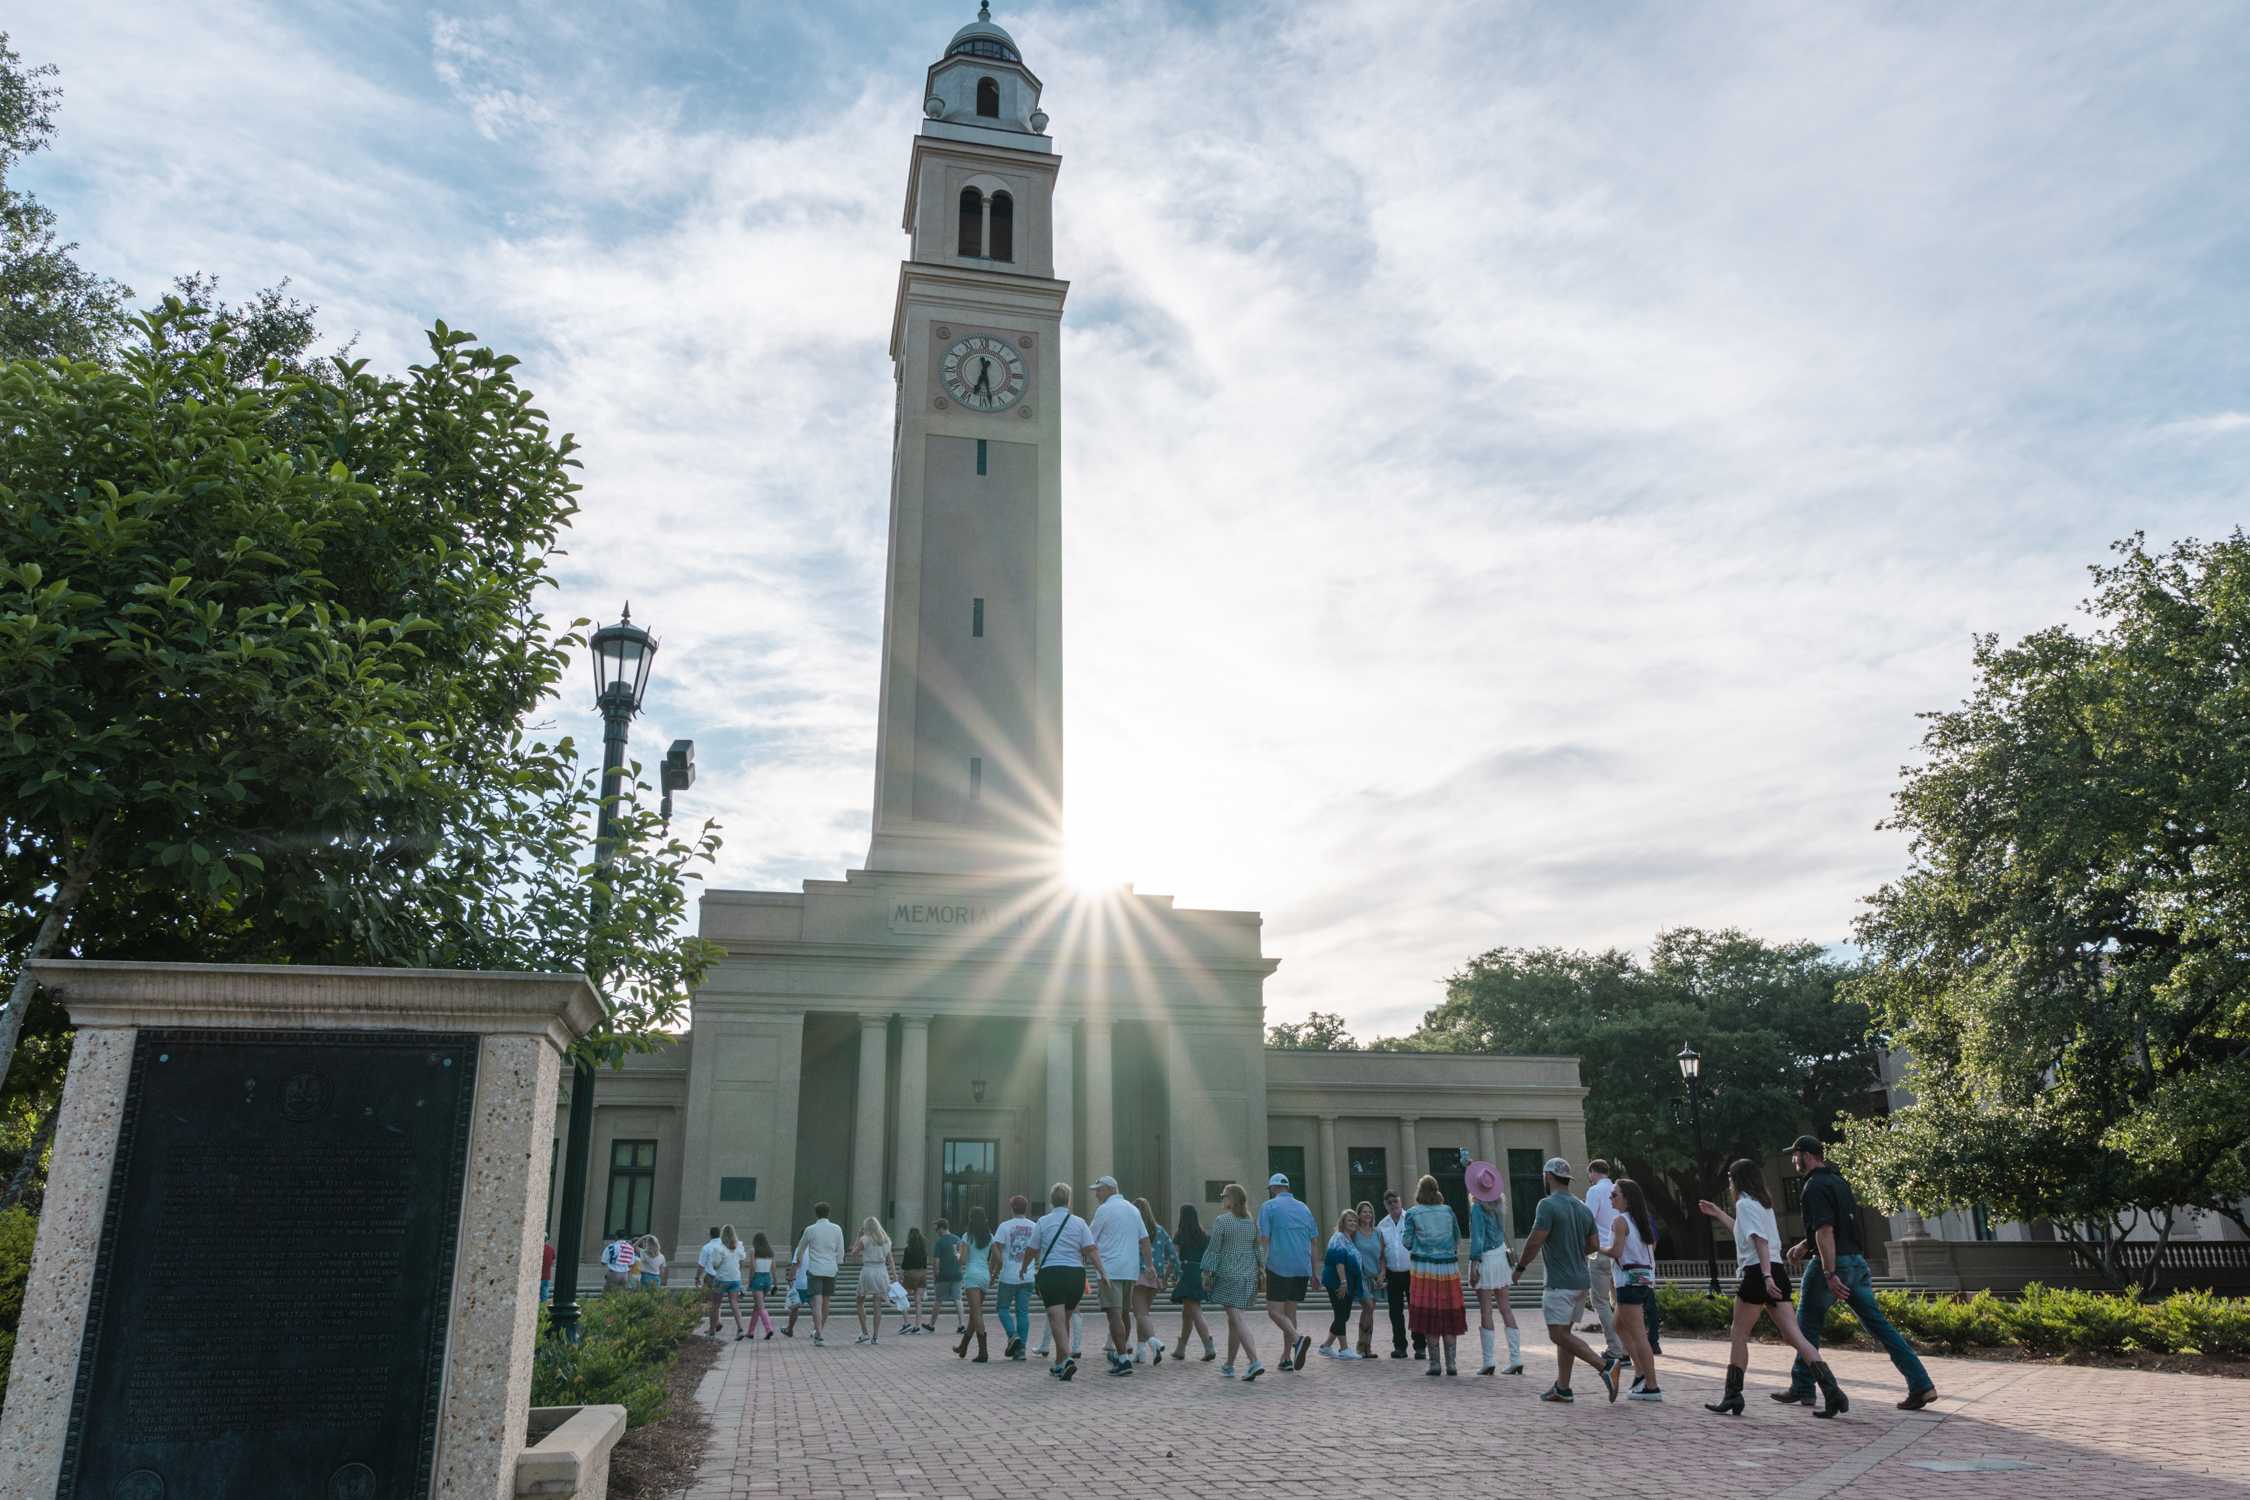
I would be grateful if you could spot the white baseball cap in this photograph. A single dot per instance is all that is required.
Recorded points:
(1278, 1179)
(1106, 1181)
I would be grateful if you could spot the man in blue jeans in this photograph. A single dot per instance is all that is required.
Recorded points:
(1841, 1275)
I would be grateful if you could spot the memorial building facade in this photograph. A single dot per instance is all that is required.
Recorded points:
(953, 1022)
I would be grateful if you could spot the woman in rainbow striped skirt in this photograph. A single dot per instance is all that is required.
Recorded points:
(1434, 1310)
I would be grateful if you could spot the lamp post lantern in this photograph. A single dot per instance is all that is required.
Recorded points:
(1691, 1074)
(622, 655)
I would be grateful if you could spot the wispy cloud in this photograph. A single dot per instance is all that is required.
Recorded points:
(1525, 467)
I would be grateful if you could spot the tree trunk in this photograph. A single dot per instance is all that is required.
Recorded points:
(2156, 1257)
(20, 1179)
(75, 879)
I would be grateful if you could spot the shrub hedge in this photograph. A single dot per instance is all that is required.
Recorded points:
(2043, 1320)
(630, 1342)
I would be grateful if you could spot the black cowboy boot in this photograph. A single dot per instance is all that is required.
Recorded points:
(1836, 1403)
(1731, 1403)
(982, 1356)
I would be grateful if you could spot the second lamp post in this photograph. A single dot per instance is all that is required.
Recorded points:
(1691, 1073)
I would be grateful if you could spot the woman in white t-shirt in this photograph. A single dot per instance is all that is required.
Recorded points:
(1632, 1244)
(725, 1271)
(1060, 1245)
(1764, 1290)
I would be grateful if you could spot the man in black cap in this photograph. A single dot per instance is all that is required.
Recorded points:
(1832, 1237)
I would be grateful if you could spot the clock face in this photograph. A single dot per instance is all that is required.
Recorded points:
(983, 373)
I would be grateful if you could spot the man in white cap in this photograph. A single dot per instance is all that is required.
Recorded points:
(1285, 1236)
(1563, 1235)
(1123, 1242)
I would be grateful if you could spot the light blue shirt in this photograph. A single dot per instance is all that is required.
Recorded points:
(1287, 1227)
(1486, 1231)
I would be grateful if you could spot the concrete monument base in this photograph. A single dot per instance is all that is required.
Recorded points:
(134, 1021)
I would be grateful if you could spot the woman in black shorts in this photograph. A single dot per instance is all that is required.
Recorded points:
(1058, 1248)
(1190, 1241)
(1764, 1290)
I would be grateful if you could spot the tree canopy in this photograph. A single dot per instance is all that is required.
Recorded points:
(49, 304)
(2068, 959)
(1322, 1031)
(1781, 1053)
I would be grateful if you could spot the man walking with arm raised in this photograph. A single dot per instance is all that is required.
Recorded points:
(1562, 1235)
(1601, 1270)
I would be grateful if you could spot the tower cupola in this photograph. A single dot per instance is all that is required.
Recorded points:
(981, 85)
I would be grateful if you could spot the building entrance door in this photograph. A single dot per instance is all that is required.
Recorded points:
(971, 1180)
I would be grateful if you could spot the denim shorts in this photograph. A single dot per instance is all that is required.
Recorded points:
(1630, 1294)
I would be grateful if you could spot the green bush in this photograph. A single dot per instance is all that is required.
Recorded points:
(17, 1230)
(630, 1342)
(2217, 1326)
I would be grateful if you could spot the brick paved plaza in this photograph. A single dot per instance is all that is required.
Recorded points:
(905, 1419)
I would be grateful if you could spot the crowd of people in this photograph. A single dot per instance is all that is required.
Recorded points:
(1595, 1253)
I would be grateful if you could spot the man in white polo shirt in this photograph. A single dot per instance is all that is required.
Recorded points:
(1123, 1242)
(820, 1250)
(1600, 1196)
(1398, 1271)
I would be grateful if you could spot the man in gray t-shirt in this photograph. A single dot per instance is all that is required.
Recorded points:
(1562, 1233)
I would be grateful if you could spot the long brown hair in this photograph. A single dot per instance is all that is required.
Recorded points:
(1636, 1209)
(1748, 1180)
(1236, 1200)
(1427, 1190)
(1148, 1216)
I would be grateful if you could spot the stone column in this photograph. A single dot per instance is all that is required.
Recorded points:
(1413, 1158)
(1332, 1174)
(1488, 1144)
(1061, 1100)
(910, 1163)
(1101, 1113)
(867, 1131)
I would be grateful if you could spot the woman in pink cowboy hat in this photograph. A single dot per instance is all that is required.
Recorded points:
(1489, 1276)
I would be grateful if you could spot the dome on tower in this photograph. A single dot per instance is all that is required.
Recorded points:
(983, 38)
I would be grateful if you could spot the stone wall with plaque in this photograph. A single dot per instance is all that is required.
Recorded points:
(292, 1234)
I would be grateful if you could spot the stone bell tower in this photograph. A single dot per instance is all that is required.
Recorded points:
(969, 768)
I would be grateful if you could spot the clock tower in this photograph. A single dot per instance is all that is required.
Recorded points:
(968, 758)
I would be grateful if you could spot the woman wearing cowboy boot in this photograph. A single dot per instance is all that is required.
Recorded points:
(1489, 1275)
(1764, 1291)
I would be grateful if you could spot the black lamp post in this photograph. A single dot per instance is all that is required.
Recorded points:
(1691, 1073)
(622, 655)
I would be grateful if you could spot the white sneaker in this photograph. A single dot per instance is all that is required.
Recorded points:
(1140, 1355)
(1326, 1352)
(1226, 1372)
(1347, 1354)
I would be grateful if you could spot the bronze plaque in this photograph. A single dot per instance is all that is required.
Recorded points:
(270, 1299)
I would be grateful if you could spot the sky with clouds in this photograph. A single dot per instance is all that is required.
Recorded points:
(1526, 465)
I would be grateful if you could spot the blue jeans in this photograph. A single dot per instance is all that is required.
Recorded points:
(1813, 1300)
(1014, 1298)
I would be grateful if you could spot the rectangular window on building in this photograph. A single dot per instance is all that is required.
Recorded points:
(738, 1190)
(976, 777)
(1289, 1159)
(976, 618)
(980, 455)
(1214, 1188)
(1525, 1189)
(1450, 1166)
(971, 1179)
(632, 1188)
(1369, 1176)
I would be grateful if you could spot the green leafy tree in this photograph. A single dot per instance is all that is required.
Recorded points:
(49, 304)
(268, 649)
(2067, 962)
(1781, 1052)
(1321, 1031)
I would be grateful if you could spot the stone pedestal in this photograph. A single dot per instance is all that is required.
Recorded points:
(282, 1119)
